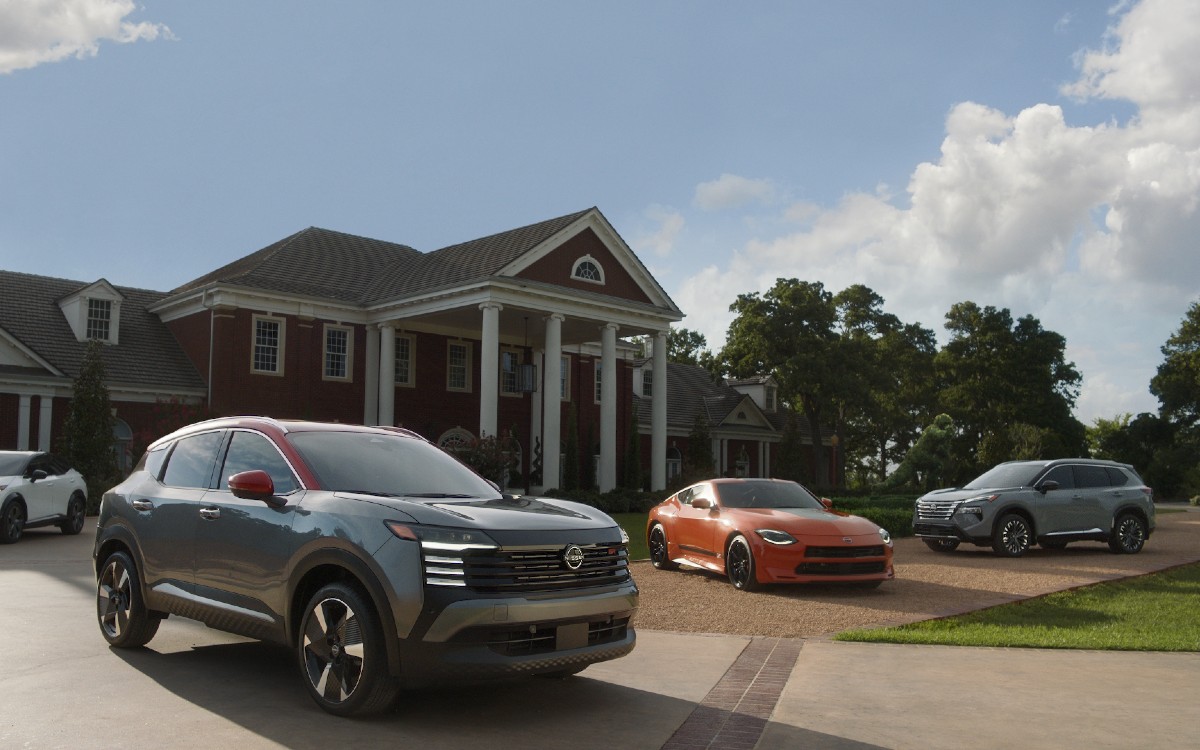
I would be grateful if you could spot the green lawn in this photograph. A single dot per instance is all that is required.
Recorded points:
(1155, 612)
(635, 526)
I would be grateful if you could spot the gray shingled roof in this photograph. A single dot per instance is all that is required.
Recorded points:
(147, 355)
(692, 391)
(315, 262)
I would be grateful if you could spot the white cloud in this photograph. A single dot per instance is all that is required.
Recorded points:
(33, 32)
(661, 239)
(731, 191)
(1089, 228)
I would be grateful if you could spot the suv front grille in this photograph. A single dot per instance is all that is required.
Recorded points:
(544, 639)
(528, 570)
(937, 510)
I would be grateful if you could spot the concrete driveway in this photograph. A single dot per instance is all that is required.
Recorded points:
(195, 687)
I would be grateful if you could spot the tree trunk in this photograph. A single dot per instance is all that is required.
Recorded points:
(820, 465)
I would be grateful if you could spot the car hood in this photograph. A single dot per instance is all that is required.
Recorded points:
(5, 480)
(955, 493)
(510, 513)
(810, 521)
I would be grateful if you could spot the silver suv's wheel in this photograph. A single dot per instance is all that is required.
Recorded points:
(1012, 536)
(342, 656)
(124, 619)
(1129, 535)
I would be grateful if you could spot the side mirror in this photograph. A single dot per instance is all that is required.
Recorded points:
(703, 503)
(827, 503)
(1047, 485)
(255, 485)
(38, 474)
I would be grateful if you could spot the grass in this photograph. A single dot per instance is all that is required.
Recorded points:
(1155, 612)
(635, 526)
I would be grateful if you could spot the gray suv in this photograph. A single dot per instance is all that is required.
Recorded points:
(381, 560)
(1052, 503)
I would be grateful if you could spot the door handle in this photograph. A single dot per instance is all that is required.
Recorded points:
(142, 505)
(211, 514)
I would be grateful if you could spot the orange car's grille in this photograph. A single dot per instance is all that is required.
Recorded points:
(875, 550)
(840, 569)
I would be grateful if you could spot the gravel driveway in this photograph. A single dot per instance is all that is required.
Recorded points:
(928, 584)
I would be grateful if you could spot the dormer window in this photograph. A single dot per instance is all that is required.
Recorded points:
(99, 319)
(94, 312)
(771, 395)
(588, 269)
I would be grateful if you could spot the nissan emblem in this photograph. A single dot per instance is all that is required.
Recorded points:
(573, 557)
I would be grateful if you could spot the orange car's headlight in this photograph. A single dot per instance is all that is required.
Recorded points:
(774, 536)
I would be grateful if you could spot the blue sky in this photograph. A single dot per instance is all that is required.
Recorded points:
(1040, 155)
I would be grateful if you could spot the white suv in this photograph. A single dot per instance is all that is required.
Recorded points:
(39, 489)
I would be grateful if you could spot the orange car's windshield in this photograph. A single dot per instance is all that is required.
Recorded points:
(766, 495)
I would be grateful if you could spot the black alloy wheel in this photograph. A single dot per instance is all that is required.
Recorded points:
(343, 661)
(659, 557)
(739, 565)
(12, 521)
(1129, 535)
(124, 620)
(1012, 536)
(76, 512)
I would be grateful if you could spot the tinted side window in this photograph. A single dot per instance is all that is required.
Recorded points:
(40, 462)
(249, 450)
(1116, 477)
(1091, 476)
(191, 462)
(1062, 475)
(152, 462)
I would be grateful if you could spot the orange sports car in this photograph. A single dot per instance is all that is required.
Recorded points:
(758, 531)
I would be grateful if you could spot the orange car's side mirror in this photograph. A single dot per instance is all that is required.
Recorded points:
(827, 503)
(702, 503)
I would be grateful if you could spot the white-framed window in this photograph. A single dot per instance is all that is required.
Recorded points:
(647, 382)
(99, 318)
(598, 389)
(588, 269)
(510, 365)
(338, 351)
(458, 366)
(564, 378)
(455, 438)
(406, 348)
(770, 397)
(267, 354)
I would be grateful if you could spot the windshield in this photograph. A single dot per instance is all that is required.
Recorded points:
(766, 495)
(1006, 475)
(388, 465)
(13, 464)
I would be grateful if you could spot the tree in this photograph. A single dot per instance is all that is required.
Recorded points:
(995, 373)
(1177, 382)
(788, 332)
(87, 440)
(570, 469)
(633, 457)
(699, 459)
(789, 460)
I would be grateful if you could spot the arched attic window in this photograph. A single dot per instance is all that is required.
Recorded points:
(588, 269)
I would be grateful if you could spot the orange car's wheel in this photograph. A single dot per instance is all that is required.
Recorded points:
(659, 556)
(739, 565)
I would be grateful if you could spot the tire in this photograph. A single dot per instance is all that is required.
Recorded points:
(941, 545)
(76, 513)
(1012, 536)
(739, 565)
(659, 555)
(341, 653)
(124, 620)
(12, 521)
(1129, 535)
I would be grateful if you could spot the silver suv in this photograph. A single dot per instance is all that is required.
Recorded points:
(1052, 503)
(377, 557)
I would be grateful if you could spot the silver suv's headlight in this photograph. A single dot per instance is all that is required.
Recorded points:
(774, 536)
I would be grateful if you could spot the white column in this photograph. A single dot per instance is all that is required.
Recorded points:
(45, 418)
(23, 422)
(387, 374)
(552, 401)
(658, 415)
(608, 407)
(489, 366)
(371, 386)
(535, 416)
